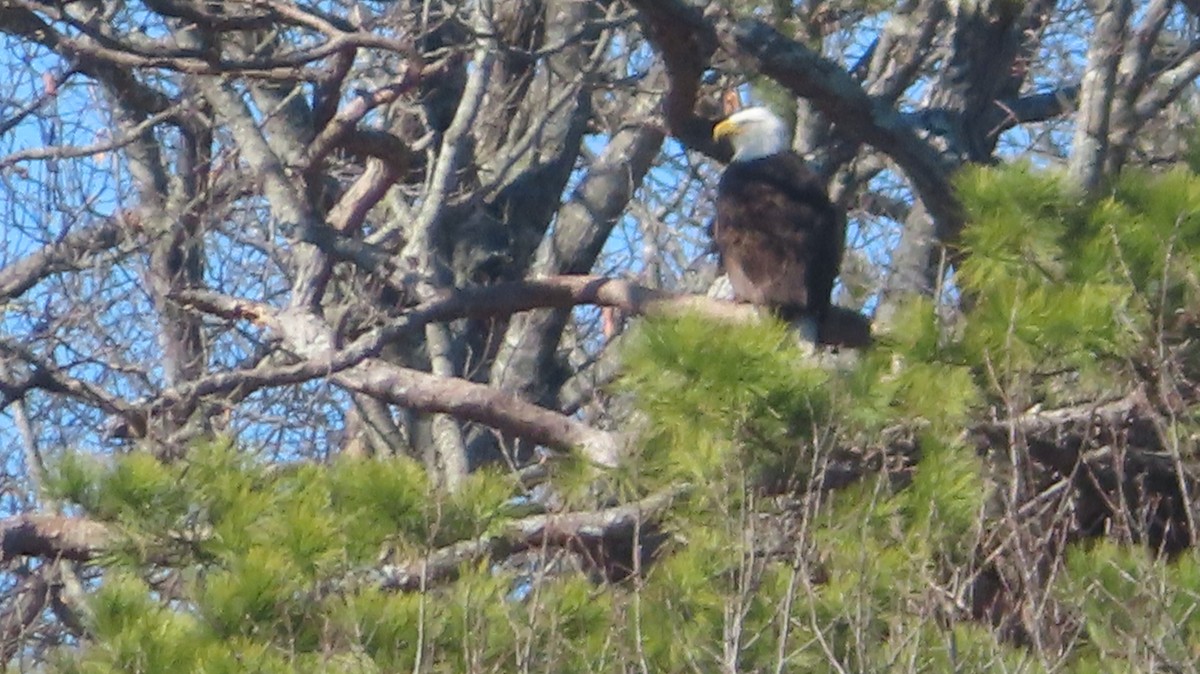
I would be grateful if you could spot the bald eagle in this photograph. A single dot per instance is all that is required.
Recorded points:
(779, 237)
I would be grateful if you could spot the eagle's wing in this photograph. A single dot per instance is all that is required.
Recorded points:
(779, 236)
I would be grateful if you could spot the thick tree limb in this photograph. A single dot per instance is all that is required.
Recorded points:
(582, 226)
(81, 539)
(1097, 93)
(1166, 87)
(843, 327)
(896, 58)
(1137, 61)
(53, 537)
(1033, 108)
(351, 210)
(553, 530)
(463, 399)
(554, 292)
(1058, 438)
(469, 401)
(84, 540)
(346, 119)
(311, 266)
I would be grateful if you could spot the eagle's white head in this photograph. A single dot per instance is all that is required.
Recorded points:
(754, 132)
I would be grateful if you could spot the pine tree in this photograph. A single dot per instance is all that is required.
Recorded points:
(796, 517)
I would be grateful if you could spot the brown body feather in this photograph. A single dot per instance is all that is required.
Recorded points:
(779, 236)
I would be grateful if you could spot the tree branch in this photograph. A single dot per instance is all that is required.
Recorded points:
(346, 119)
(554, 530)
(287, 202)
(1041, 107)
(53, 537)
(427, 392)
(1090, 145)
(72, 252)
(483, 404)
(896, 58)
(582, 226)
(27, 25)
(686, 40)
(1058, 440)
(47, 376)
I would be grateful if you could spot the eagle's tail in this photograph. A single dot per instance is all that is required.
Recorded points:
(802, 320)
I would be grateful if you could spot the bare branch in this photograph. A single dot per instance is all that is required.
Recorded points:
(583, 224)
(1137, 62)
(468, 401)
(48, 93)
(554, 530)
(102, 46)
(48, 377)
(287, 202)
(129, 135)
(1167, 87)
(473, 402)
(73, 252)
(349, 116)
(897, 57)
(348, 214)
(21, 22)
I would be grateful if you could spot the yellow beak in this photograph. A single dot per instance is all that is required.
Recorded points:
(724, 128)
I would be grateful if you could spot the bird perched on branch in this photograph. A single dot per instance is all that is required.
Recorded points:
(779, 236)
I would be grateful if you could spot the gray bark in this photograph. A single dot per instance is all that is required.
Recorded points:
(1097, 93)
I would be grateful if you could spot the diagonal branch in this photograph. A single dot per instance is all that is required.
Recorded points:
(346, 119)
(288, 203)
(72, 252)
(554, 530)
(47, 376)
(482, 404)
(25, 24)
(413, 388)
(84, 540)
(686, 40)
